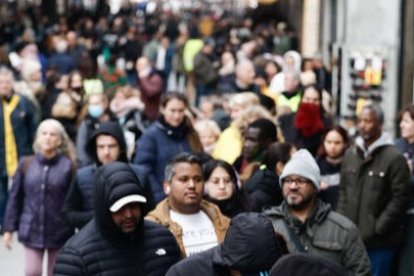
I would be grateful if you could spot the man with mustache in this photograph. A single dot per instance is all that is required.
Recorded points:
(309, 225)
(196, 224)
(118, 241)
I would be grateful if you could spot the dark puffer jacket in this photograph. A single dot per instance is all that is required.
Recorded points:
(325, 234)
(77, 208)
(35, 202)
(299, 264)
(100, 248)
(250, 247)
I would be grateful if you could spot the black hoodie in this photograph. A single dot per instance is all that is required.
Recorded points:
(298, 264)
(102, 248)
(77, 208)
(250, 246)
(112, 129)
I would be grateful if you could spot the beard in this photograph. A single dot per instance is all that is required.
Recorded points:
(299, 201)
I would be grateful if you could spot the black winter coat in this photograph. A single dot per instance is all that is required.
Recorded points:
(298, 264)
(90, 253)
(250, 247)
(101, 248)
(263, 189)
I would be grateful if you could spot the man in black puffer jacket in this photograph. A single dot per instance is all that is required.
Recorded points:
(250, 247)
(117, 241)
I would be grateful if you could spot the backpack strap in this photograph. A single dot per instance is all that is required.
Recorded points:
(294, 238)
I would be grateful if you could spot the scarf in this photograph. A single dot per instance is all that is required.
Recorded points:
(308, 119)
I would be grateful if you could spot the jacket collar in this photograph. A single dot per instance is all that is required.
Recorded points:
(384, 140)
(317, 215)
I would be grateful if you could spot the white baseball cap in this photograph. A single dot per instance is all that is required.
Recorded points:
(126, 200)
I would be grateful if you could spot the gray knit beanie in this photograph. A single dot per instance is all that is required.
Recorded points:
(302, 164)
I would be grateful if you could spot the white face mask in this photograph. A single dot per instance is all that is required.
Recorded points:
(95, 111)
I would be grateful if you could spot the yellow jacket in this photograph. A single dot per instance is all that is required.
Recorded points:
(229, 145)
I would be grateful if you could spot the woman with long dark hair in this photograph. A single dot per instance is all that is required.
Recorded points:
(170, 134)
(335, 143)
(222, 187)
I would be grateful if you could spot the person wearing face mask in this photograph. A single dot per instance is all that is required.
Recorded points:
(170, 134)
(306, 126)
(95, 112)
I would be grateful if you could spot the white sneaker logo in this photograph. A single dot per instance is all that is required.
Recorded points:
(161, 252)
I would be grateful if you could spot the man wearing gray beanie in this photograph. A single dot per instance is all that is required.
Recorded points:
(309, 225)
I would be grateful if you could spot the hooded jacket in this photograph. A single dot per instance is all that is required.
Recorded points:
(78, 203)
(325, 234)
(102, 248)
(374, 191)
(298, 264)
(250, 246)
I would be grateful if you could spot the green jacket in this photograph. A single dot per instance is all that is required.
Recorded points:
(325, 234)
(374, 192)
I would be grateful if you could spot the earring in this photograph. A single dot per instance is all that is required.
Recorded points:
(167, 190)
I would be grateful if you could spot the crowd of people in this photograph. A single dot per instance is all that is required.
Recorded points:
(201, 143)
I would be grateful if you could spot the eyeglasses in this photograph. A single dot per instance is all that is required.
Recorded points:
(300, 181)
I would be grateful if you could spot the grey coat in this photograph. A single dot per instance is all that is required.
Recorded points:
(326, 234)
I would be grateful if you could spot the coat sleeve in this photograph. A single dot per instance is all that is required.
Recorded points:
(72, 210)
(15, 201)
(32, 120)
(342, 197)
(394, 211)
(355, 256)
(174, 271)
(81, 154)
(145, 157)
(69, 262)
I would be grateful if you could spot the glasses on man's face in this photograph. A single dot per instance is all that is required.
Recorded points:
(300, 181)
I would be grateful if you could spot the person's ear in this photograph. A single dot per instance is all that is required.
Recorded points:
(279, 167)
(167, 188)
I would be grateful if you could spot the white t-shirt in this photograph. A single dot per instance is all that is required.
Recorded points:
(198, 231)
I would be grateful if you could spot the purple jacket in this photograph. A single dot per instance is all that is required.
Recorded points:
(35, 202)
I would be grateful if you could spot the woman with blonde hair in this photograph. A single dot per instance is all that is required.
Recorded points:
(35, 200)
(209, 132)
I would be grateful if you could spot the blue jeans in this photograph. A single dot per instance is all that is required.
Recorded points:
(381, 260)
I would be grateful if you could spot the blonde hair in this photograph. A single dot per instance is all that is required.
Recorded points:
(251, 114)
(208, 124)
(66, 146)
(244, 100)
